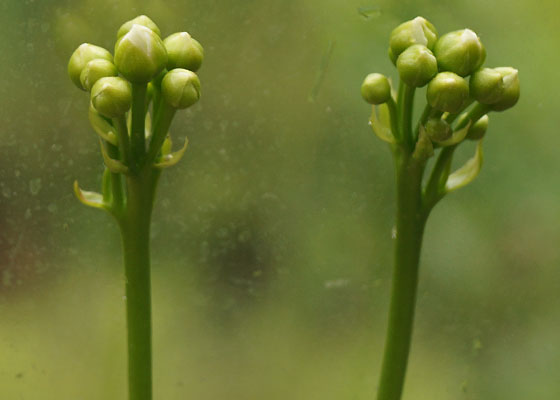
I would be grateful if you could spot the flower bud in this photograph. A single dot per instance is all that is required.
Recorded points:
(510, 95)
(376, 89)
(478, 129)
(140, 54)
(447, 92)
(486, 86)
(83, 55)
(180, 88)
(417, 65)
(460, 52)
(416, 31)
(95, 70)
(183, 52)
(438, 130)
(111, 96)
(140, 20)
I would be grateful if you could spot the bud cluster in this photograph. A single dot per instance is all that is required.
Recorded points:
(140, 57)
(451, 66)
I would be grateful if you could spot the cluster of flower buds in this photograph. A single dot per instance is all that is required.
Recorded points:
(144, 70)
(460, 92)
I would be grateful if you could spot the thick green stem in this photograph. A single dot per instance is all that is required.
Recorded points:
(135, 232)
(404, 109)
(137, 133)
(410, 222)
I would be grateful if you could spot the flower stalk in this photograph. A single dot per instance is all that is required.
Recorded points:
(134, 155)
(454, 112)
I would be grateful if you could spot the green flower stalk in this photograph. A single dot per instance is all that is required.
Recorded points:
(125, 97)
(456, 110)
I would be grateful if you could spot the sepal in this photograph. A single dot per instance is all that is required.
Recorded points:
(168, 160)
(456, 137)
(102, 127)
(381, 124)
(467, 173)
(115, 166)
(90, 199)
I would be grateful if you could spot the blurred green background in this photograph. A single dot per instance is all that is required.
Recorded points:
(272, 238)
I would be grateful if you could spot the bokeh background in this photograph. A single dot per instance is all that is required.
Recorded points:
(272, 238)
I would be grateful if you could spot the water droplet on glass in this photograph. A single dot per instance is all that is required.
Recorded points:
(35, 186)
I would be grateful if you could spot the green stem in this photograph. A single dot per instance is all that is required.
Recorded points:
(124, 142)
(160, 128)
(410, 222)
(137, 133)
(135, 233)
(116, 181)
(404, 109)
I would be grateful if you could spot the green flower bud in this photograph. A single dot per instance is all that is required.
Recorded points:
(417, 65)
(487, 86)
(183, 52)
(140, 20)
(416, 31)
(510, 95)
(95, 70)
(438, 130)
(376, 89)
(83, 55)
(478, 129)
(460, 52)
(180, 88)
(447, 92)
(140, 54)
(111, 96)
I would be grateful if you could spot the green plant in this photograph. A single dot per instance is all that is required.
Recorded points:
(456, 110)
(133, 99)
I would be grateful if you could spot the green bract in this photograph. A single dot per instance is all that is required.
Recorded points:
(438, 130)
(140, 54)
(417, 65)
(95, 70)
(460, 52)
(510, 95)
(416, 31)
(183, 52)
(487, 86)
(140, 20)
(478, 129)
(83, 55)
(111, 96)
(180, 88)
(447, 92)
(376, 89)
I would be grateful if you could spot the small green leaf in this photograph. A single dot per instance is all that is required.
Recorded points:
(91, 199)
(382, 125)
(102, 127)
(115, 166)
(456, 137)
(172, 158)
(466, 174)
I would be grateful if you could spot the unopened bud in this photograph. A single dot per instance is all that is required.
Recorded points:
(487, 86)
(376, 89)
(83, 55)
(438, 130)
(409, 33)
(140, 54)
(417, 65)
(460, 52)
(510, 95)
(183, 52)
(95, 70)
(140, 20)
(111, 96)
(447, 92)
(180, 88)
